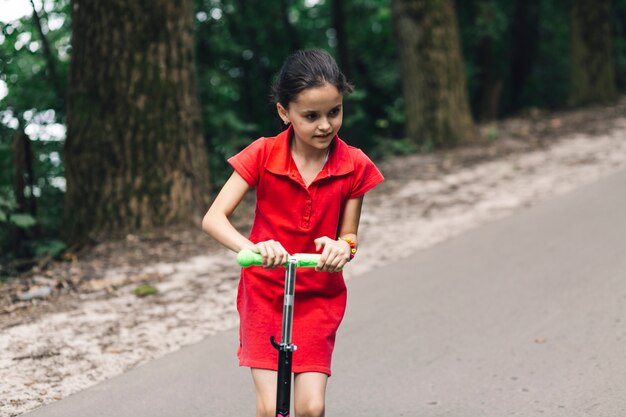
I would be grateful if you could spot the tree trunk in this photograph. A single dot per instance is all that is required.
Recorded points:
(592, 66)
(524, 35)
(23, 179)
(134, 156)
(489, 82)
(433, 78)
(23, 169)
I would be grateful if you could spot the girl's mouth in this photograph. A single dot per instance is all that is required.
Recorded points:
(326, 136)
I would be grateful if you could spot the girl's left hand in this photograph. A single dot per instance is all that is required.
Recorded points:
(335, 255)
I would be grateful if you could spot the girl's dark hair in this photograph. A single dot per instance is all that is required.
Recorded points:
(305, 69)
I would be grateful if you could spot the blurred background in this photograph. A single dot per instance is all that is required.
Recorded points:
(117, 116)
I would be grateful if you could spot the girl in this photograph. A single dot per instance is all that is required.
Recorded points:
(309, 188)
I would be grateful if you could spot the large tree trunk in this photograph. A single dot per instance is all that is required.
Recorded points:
(134, 156)
(434, 86)
(592, 67)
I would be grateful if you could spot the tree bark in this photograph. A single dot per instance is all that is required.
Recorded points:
(433, 78)
(134, 155)
(592, 67)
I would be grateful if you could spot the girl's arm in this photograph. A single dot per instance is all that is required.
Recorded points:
(216, 224)
(336, 253)
(215, 221)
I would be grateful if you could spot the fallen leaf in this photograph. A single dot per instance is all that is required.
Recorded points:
(145, 290)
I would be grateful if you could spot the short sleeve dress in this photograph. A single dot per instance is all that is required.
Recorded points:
(293, 214)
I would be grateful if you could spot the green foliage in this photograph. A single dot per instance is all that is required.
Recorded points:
(492, 20)
(23, 221)
(492, 134)
(548, 84)
(22, 62)
(619, 42)
(374, 71)
(47, 247)
(6, 208)
(9, 215)
(34, 104)
(388, 147)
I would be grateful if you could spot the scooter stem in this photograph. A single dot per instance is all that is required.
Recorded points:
(285, 347)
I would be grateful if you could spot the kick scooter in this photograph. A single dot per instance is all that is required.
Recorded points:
(285, 348)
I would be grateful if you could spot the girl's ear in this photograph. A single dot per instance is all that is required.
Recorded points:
(282, 112)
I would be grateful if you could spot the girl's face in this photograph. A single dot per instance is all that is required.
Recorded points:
(316, 115)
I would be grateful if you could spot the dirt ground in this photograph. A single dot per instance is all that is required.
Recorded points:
(87, 324)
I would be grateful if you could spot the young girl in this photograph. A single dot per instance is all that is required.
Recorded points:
(309, 189)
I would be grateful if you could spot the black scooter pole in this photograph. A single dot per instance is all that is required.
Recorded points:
(285, 347)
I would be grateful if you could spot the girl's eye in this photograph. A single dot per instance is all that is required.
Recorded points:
(311, 116)
(335, 112)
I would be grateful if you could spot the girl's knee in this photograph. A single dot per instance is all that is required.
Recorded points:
(265, 386)
(265, 405)
(310, 408)
(265, 409)
(310, 394)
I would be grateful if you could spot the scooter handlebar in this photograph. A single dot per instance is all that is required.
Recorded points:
(248, 258)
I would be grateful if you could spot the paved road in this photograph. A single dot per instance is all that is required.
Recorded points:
(522, 317)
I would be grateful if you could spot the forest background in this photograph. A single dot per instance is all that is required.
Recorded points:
(117, 117)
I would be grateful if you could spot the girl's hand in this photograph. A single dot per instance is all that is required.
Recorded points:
(335, 255)
(272, 252)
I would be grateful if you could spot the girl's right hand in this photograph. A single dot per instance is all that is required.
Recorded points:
(272, 252)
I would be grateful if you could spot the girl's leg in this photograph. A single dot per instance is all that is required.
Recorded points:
(265, 386)
(310, 394)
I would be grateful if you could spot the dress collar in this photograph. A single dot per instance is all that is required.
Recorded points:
(281, 162)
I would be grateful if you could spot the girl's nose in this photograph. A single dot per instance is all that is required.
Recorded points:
(324, 125)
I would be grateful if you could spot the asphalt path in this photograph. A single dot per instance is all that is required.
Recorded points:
(525, 316)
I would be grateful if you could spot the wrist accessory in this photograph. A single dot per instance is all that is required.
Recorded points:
(352, 246)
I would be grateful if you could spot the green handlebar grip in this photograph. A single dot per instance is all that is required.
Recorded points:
(248, 258)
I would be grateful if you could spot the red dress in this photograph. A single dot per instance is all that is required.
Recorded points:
(290, 212)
